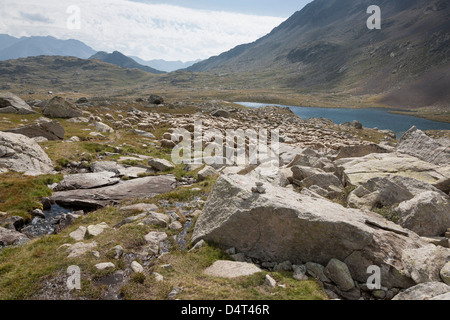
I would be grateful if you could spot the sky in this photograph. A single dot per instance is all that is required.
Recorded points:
(150, 29)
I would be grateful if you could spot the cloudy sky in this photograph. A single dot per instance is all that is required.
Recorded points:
(150, 29)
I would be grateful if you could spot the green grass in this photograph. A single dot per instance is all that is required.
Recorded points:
(20, 194)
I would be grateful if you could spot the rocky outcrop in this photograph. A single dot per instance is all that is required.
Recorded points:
(416, 143)
(10, 103)
(58, 107)
(282, 225)
(101, 197)
(51, 130)
(22, 154)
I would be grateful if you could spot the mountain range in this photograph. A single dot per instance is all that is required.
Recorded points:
(14, 48)
(327, 47)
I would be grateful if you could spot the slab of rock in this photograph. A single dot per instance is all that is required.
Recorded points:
(58, 107)
(356, 171)
(416, 143)
(80, 248)
(19, 153)
(11, 238)
(360, 151)
(10, 103)
(283, 225)
(95, 230)
(445, 297)
(102, 166)
(423, 291)
(231, 269)
(51, 130)
(141, 207)
(110, 195)
(87, 181)
(427, 214)
(161, 164)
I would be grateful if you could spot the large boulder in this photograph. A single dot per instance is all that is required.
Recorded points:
(58, 107)
(10, 103)
(360, 150)
(51, 130)
(282, 225)
(110, 195)
(356, 171)
(22, 154)
(416, 143)
(427, 214)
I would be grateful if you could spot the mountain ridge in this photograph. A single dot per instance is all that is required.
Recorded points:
(119, 59)
(327, 46)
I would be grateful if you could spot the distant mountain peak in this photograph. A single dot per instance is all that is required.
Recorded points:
(121, 60)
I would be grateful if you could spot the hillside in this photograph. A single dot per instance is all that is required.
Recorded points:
(14, 48)
(122, 61)
(66, 74)
(328, 47)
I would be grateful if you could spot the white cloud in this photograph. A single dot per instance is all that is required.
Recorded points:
(150, 31)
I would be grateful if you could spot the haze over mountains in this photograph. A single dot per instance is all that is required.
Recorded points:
(328, 47)
(15, 48)
(122, 61)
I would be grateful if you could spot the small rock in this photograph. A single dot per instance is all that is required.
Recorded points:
(95, 230)
(445, 273)
(176, 225)
(299, 273)
(104, 266)
(158, 277)
(38, 213)
(198, 245)
(161, 164)
(175, 291)
(79, 234)
(339, 273)
(270, 281)
(137, 267)
(284, 266)
(96, 254)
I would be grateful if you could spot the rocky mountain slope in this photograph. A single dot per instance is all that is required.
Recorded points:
(122, 61)
(308, 222)
(327, 47)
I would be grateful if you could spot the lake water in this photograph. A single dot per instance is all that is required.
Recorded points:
(370, 118)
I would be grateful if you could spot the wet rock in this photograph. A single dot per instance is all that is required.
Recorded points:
(13, 223)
